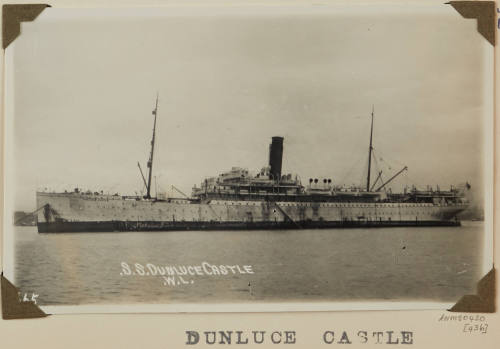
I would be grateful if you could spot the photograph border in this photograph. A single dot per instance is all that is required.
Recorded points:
(303, 306)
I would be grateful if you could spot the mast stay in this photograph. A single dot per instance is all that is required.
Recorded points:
(142, 175)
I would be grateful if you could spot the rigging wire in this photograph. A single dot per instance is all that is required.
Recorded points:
(377, 166)
(389, 161)
(350, 171)
(384, 164)
(362, 175)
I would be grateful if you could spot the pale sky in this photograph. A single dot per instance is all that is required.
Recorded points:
(85, 88)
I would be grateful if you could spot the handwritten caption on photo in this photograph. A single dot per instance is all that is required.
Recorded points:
(176, 275)
(470, 323)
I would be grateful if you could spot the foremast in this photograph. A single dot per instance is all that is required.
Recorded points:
(151, 156)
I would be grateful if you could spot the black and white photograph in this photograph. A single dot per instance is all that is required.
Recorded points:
(248, 158)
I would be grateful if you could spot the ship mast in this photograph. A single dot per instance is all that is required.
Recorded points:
(370, 154)
(150, 162)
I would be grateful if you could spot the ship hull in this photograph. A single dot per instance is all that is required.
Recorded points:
(124, 226)
(73, 212)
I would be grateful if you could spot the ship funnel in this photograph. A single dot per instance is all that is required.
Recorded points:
(275, 157)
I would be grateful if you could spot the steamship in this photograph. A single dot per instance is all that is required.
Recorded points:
(237, 199)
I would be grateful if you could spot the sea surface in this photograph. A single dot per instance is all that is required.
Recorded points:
(400, 264)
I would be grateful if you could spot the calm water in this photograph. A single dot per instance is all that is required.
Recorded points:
(439, 264)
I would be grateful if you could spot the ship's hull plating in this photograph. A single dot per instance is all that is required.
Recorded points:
(100, 213)
(92, 227)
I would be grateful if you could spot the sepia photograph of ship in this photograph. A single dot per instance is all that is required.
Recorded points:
(286, 156)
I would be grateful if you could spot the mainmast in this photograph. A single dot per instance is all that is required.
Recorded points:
(150, 162)
(370, 154)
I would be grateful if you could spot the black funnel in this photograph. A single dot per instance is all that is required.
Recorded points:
(275, 157)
